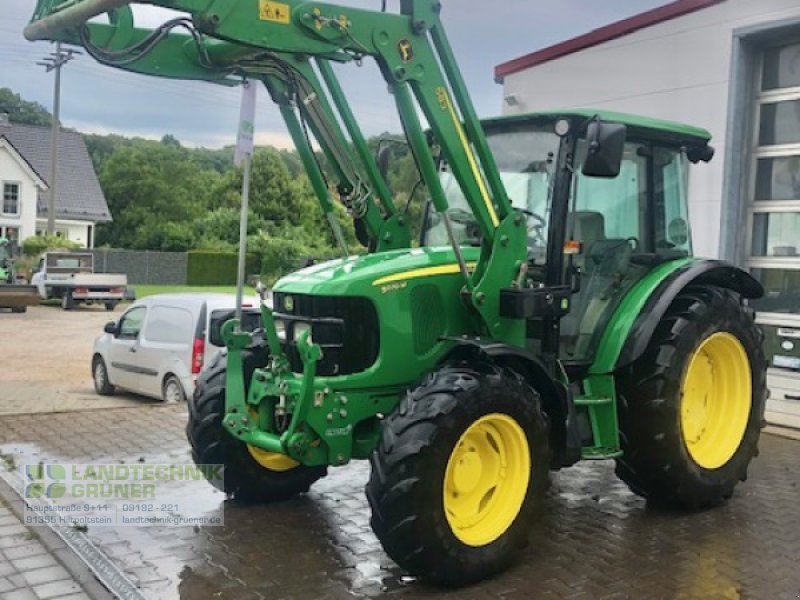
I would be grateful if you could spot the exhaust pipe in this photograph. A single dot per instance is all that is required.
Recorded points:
(72, 16)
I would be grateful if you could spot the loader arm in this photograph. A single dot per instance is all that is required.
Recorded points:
(229, 39)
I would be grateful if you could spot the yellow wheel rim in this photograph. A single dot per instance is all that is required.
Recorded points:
(486, 479)
(270, 460)
(716, 397)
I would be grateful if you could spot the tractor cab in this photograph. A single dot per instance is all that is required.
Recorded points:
(618, 228)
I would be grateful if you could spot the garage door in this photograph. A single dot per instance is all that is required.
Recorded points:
(774, 256)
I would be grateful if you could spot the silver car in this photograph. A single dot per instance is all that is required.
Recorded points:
(161, 343)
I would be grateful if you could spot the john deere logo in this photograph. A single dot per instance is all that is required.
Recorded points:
(406, 50)
(288, 304)
(45, 481)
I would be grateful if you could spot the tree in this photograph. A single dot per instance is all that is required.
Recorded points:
(22, 111)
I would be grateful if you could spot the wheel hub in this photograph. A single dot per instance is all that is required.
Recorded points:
(716, 398)
(486, 479)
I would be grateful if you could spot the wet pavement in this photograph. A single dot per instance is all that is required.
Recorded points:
(597, 539)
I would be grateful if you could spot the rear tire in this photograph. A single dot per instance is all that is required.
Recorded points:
(688, 432)
(468, 432)
(172, 391)
(67, 301)
(19, 309)
(111, 305)
(102, 385)
(244, 478)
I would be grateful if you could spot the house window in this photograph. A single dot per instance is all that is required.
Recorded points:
(11, 199)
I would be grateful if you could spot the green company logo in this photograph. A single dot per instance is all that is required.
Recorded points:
(45, 481)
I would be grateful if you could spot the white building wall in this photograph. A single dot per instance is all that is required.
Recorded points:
(12, 172)
(75, 231)
(677, 70)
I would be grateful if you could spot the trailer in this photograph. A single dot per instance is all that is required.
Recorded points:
(70, 276)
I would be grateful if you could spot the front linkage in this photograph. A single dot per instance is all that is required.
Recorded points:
(317, 423)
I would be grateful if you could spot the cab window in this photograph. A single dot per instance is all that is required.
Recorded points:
(131, 323)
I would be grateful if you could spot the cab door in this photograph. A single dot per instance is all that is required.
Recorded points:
(124, 368)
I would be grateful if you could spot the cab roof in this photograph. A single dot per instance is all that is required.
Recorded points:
(666, 131)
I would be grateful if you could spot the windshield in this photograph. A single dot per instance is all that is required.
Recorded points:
(526, 161)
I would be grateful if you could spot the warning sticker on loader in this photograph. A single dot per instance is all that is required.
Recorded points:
(277, 12)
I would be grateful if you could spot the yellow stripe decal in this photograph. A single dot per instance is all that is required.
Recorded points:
(426, 272)
(472, 162)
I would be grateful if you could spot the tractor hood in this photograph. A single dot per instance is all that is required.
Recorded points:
(363, 275)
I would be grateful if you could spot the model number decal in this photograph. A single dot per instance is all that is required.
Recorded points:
(393, 287)
(277, 12)
(338, 431)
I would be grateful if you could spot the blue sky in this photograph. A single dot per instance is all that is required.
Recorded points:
(100, 99)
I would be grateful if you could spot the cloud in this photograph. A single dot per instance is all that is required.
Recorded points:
(109, 100)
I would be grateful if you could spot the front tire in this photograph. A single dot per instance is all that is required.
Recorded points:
(692, 407)
(460, 473)
(102, 385)
(250, 474)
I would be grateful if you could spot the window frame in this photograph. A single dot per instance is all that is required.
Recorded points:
(3, 212)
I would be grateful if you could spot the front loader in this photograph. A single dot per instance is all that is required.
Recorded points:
(552, 311)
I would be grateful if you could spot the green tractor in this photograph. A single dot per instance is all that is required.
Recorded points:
(551, 312)
(14, 296)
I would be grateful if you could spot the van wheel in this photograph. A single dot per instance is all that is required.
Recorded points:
(102, 385)
(19, 309)
(111, 305)
(172, 390)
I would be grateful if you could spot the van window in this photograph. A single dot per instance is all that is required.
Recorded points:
(251, 320)
(169, 325)
(131, 323)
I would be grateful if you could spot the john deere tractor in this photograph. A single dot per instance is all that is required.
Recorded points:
(551, 312)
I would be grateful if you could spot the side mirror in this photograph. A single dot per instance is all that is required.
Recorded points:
(111, 327)
(606, 147)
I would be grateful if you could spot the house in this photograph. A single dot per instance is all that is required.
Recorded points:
(733, 67)
(24, 174)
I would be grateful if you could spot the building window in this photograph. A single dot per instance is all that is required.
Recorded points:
(11, 199)
(774, 246)
(11, 234)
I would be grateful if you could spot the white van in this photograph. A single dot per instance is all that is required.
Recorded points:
(160, 344)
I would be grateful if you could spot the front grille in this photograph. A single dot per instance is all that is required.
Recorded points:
(345, 327)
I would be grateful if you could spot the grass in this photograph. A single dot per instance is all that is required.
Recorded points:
(143, 291)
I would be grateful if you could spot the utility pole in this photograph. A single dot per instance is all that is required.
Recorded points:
(54, 62)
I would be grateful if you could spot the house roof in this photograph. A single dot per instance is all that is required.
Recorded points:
(26, 166)
(603, 34)
(78, 193)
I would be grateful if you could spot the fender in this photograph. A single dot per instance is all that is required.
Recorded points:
(632, 326)
(556, 396)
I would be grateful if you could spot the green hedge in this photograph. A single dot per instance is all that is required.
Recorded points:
(217, 268)
(36, 244)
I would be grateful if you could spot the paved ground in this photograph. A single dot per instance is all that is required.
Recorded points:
(597, 540)
(46, 354)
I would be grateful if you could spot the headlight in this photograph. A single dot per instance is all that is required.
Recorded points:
(300, 329)
(280, 329)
